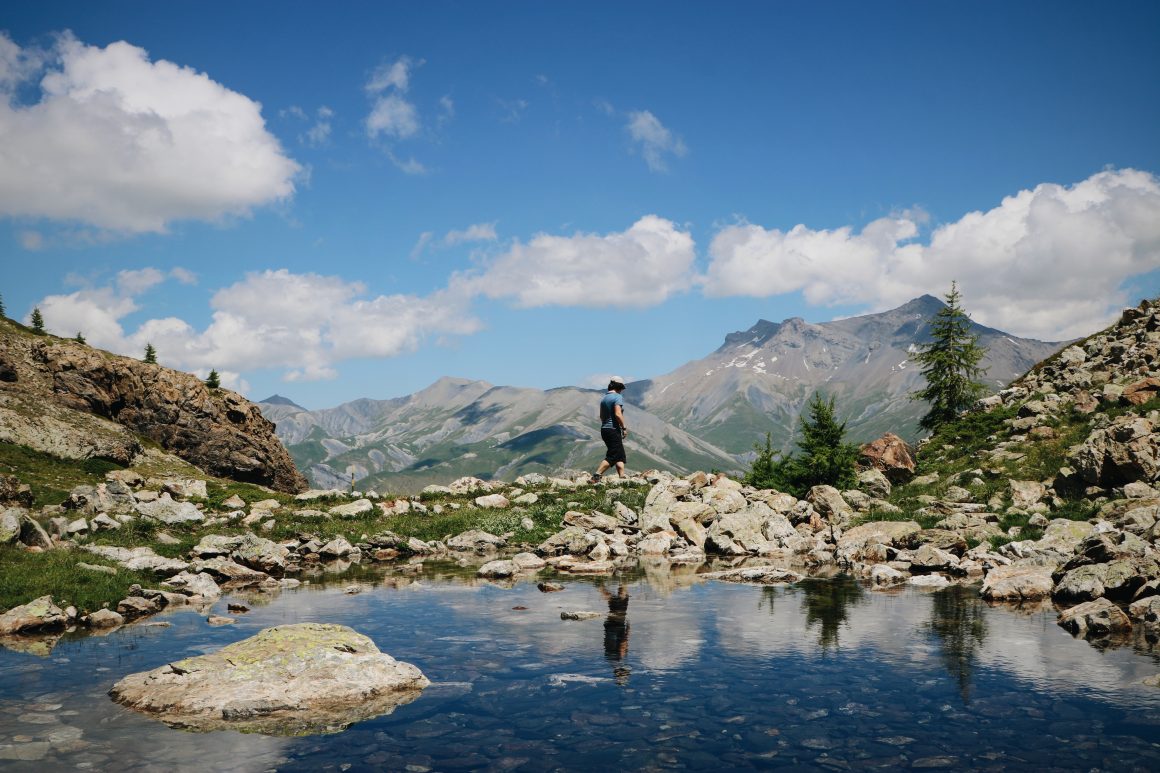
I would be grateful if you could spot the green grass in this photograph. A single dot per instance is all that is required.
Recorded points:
(51, 478)
(55, 572)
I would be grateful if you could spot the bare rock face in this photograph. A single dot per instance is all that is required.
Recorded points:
(67, 387)
(288, 680)
(891, 455)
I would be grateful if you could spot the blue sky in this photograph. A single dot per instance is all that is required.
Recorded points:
(347, 200)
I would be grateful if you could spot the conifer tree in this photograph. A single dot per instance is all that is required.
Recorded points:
(823, 458)
(150, 354)
(37, 321)
(213, 381)
(80, 339)
(3, 313)
(826, 458)
(950, 364)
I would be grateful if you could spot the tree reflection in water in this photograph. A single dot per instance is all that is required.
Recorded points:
(958, 623)
(828, 602)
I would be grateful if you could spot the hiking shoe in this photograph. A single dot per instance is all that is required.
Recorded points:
(595, 479)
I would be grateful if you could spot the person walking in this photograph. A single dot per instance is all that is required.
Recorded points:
(613, 430)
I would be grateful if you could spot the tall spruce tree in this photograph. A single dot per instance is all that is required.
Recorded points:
(950, 364)
(150, 354)
(37, 321)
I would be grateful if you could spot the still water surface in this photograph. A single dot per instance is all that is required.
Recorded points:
(674, 673)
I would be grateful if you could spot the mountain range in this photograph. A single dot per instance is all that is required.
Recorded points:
(706, 414)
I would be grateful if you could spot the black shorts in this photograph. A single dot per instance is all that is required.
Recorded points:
(615, 444)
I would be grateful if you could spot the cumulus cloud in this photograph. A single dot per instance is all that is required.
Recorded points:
(304, 324)
(655, 140)
(126, 144)
(641, 266)
(1047, 262)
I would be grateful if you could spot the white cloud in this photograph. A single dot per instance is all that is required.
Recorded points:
(183, 275)
(126, 144)
(305, 324)
(394, 75)
(394, 117)
(1046, 263)
(479, 232)
(408, 165)
(656, 141)
(641, 266)
(448, 106)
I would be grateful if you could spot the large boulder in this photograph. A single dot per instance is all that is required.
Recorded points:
(261, 554)
(1125, 451)
(891, 455)
(38, 615)
(169, 512)
(897, 534)
(1095, 619)
(288, 680)
(1017, 582)
(829, 504)
(476, 541)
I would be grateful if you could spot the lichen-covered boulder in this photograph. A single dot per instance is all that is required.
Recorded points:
(287, 680)
(38, 615)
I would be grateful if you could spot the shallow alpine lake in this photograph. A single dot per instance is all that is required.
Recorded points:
(672, 673)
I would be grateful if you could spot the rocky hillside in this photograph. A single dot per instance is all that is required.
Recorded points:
(760, 379)
(76, 402)
(457, 427)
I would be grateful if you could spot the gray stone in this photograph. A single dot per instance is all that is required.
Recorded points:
(1017, 582)
(477, 541)
(38, 615)
(756, 575)
(875, 483)
(288, 680)
(352, 509)
(169, 512)
(138, 559)
(579, 615)
(105, 618)
(1095, 618)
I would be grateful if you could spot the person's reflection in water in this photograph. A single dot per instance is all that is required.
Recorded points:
(616, 632)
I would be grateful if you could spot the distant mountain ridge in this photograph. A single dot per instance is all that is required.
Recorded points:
(458, 427)
(759, 379)
(706, 414)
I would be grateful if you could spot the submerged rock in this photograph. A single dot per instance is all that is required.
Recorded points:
(288, 680)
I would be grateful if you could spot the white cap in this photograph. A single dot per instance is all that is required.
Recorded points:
(616, 380)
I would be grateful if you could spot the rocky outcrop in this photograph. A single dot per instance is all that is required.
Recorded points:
(78, 402)
(891, 456)
(288, 680)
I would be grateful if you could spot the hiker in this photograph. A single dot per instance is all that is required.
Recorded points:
(612, 429)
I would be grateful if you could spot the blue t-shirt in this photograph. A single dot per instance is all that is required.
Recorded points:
(606, 409)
